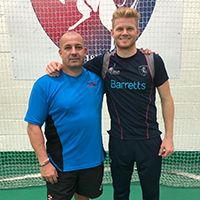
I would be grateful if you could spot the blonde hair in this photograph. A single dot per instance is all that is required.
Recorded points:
(126, 12)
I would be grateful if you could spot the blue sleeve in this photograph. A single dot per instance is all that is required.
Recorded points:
(95, 65)
(161, 75)
(38, 106)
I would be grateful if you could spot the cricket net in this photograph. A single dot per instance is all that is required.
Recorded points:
(29, 35)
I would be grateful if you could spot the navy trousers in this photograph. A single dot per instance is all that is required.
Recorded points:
(123, 154)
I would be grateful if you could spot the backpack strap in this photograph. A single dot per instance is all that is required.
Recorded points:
(150, 62)
(105, 62)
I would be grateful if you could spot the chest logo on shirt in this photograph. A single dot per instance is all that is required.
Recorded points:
(113, 71)
(143, 70)
(91, 84)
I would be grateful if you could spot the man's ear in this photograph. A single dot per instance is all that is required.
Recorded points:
(138, 31)
(60, 53)
(112, 33)
(85, 51)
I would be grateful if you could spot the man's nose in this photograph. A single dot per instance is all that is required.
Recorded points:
(125, 31)
(73, 51)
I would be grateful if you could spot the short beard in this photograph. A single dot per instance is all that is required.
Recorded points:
(75, 68)
(125, 47)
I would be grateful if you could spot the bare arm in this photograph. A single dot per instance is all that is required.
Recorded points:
(48, 172)
(167, 146)
(53, 68)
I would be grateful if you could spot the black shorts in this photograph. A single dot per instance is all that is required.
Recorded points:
(86, 182)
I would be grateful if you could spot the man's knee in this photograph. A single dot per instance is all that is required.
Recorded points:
(79, 197)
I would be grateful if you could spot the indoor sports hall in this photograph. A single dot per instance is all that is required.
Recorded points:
(29, 35)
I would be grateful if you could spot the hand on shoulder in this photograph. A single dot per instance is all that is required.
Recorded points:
(53, 69)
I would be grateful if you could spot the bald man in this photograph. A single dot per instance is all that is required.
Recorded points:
(70, 106)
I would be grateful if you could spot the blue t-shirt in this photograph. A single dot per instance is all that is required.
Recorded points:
(71, 107)
(130, 90)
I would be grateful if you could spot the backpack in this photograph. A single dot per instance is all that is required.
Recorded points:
(149, 59)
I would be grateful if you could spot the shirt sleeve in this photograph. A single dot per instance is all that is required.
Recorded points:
(38, 106)
(161, 75)
(95, 65)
